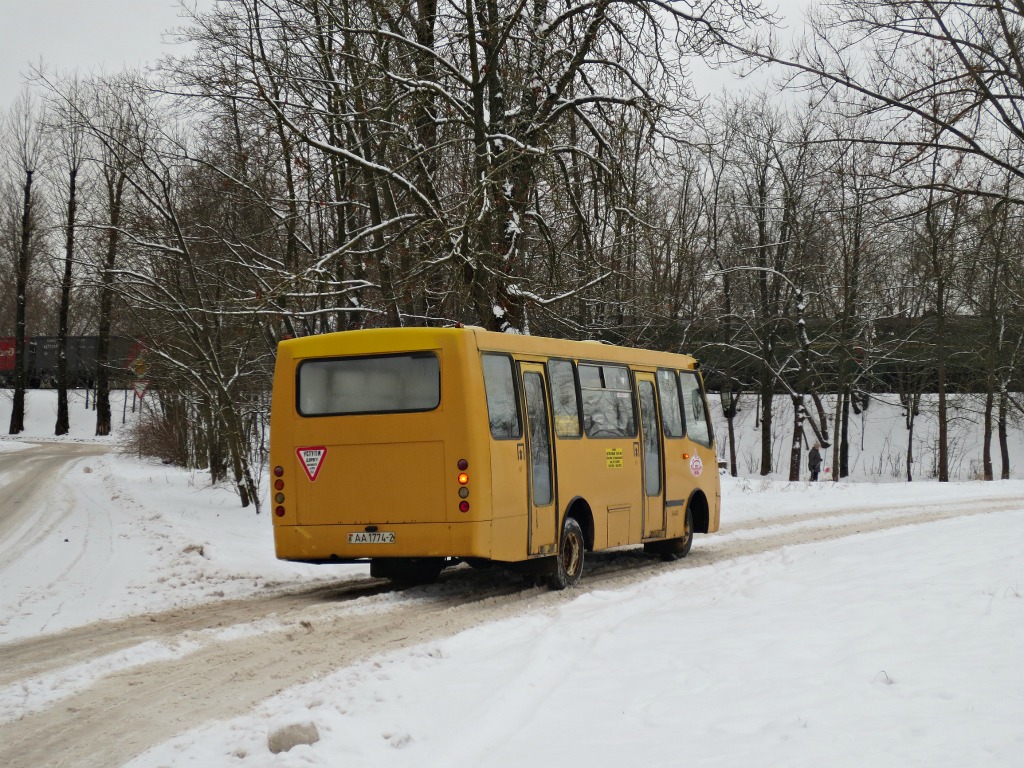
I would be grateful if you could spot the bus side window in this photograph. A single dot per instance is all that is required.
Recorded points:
(564, 401)
(696, 409)
(540, 438)
(671, 412)
(502, 408)
(607, 401)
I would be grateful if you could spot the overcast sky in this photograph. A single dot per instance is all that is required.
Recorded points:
(111, 35)
(88, 35)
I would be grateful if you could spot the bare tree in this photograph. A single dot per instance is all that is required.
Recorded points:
(181, 276)
(69, 142)
(24, 149)
(850, 275)
(943, 75)
(113, 122)
(455, 132)
(772, 166)
(995, 299)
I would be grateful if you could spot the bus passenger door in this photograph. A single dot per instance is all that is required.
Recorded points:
(540, 461)
(650, 436)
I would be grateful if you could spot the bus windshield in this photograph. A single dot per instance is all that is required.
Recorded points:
(377, 384)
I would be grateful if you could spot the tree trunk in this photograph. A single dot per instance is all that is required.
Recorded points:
(767, 392)
(844, 434)
(798, 435)
(943, 418)
(732, 444)
(63, 425)
(115, 191)
(245, 483)
(910, 441)
(21, 343)
(1004, 448)
(986, 444)
(822, 433)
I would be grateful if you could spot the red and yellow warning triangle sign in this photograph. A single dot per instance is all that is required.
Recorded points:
(312, 459)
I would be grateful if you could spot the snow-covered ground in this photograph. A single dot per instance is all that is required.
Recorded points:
(131, 536)
(890, 647)
(894, 649)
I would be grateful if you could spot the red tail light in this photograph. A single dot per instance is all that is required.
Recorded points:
(463, 482)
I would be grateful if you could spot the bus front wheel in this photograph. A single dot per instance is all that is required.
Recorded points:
(569, 561)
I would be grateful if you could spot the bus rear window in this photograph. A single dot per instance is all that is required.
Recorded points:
(379, 384)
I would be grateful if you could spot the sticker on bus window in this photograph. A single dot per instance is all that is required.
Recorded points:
(696, 466)
(312, 459)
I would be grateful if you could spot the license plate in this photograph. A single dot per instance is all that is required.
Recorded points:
(376, 537)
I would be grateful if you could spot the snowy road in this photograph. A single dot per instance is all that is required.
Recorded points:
(107, 692)
(26, 480)
(56, 533)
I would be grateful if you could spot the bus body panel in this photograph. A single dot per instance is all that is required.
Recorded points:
(508, 538)
(606, 472)
(376, 483)
(398, 472)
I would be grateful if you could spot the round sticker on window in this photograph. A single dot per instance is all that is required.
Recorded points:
(696, 466)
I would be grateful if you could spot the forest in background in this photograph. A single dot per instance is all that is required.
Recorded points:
(542, 167)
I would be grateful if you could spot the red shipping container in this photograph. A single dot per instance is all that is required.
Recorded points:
(7, 354)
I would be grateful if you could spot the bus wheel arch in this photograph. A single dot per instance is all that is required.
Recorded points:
(696, 520)
(580, 510)
(700, 511)
(673, 549)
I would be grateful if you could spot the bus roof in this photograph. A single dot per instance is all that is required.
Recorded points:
(374, 340)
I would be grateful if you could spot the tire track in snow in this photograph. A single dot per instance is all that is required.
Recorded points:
(28, 476)
(46, 517)
(325, 628)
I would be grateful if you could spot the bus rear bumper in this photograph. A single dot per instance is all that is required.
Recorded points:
(333, 543)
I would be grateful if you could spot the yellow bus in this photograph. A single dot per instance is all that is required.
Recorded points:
(418, 448)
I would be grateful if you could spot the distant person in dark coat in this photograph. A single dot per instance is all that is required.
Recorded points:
(814, 461)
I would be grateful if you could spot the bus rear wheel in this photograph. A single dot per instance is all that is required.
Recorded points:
(569, 561)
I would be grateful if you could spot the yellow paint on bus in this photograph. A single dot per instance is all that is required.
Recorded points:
(418, 447)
